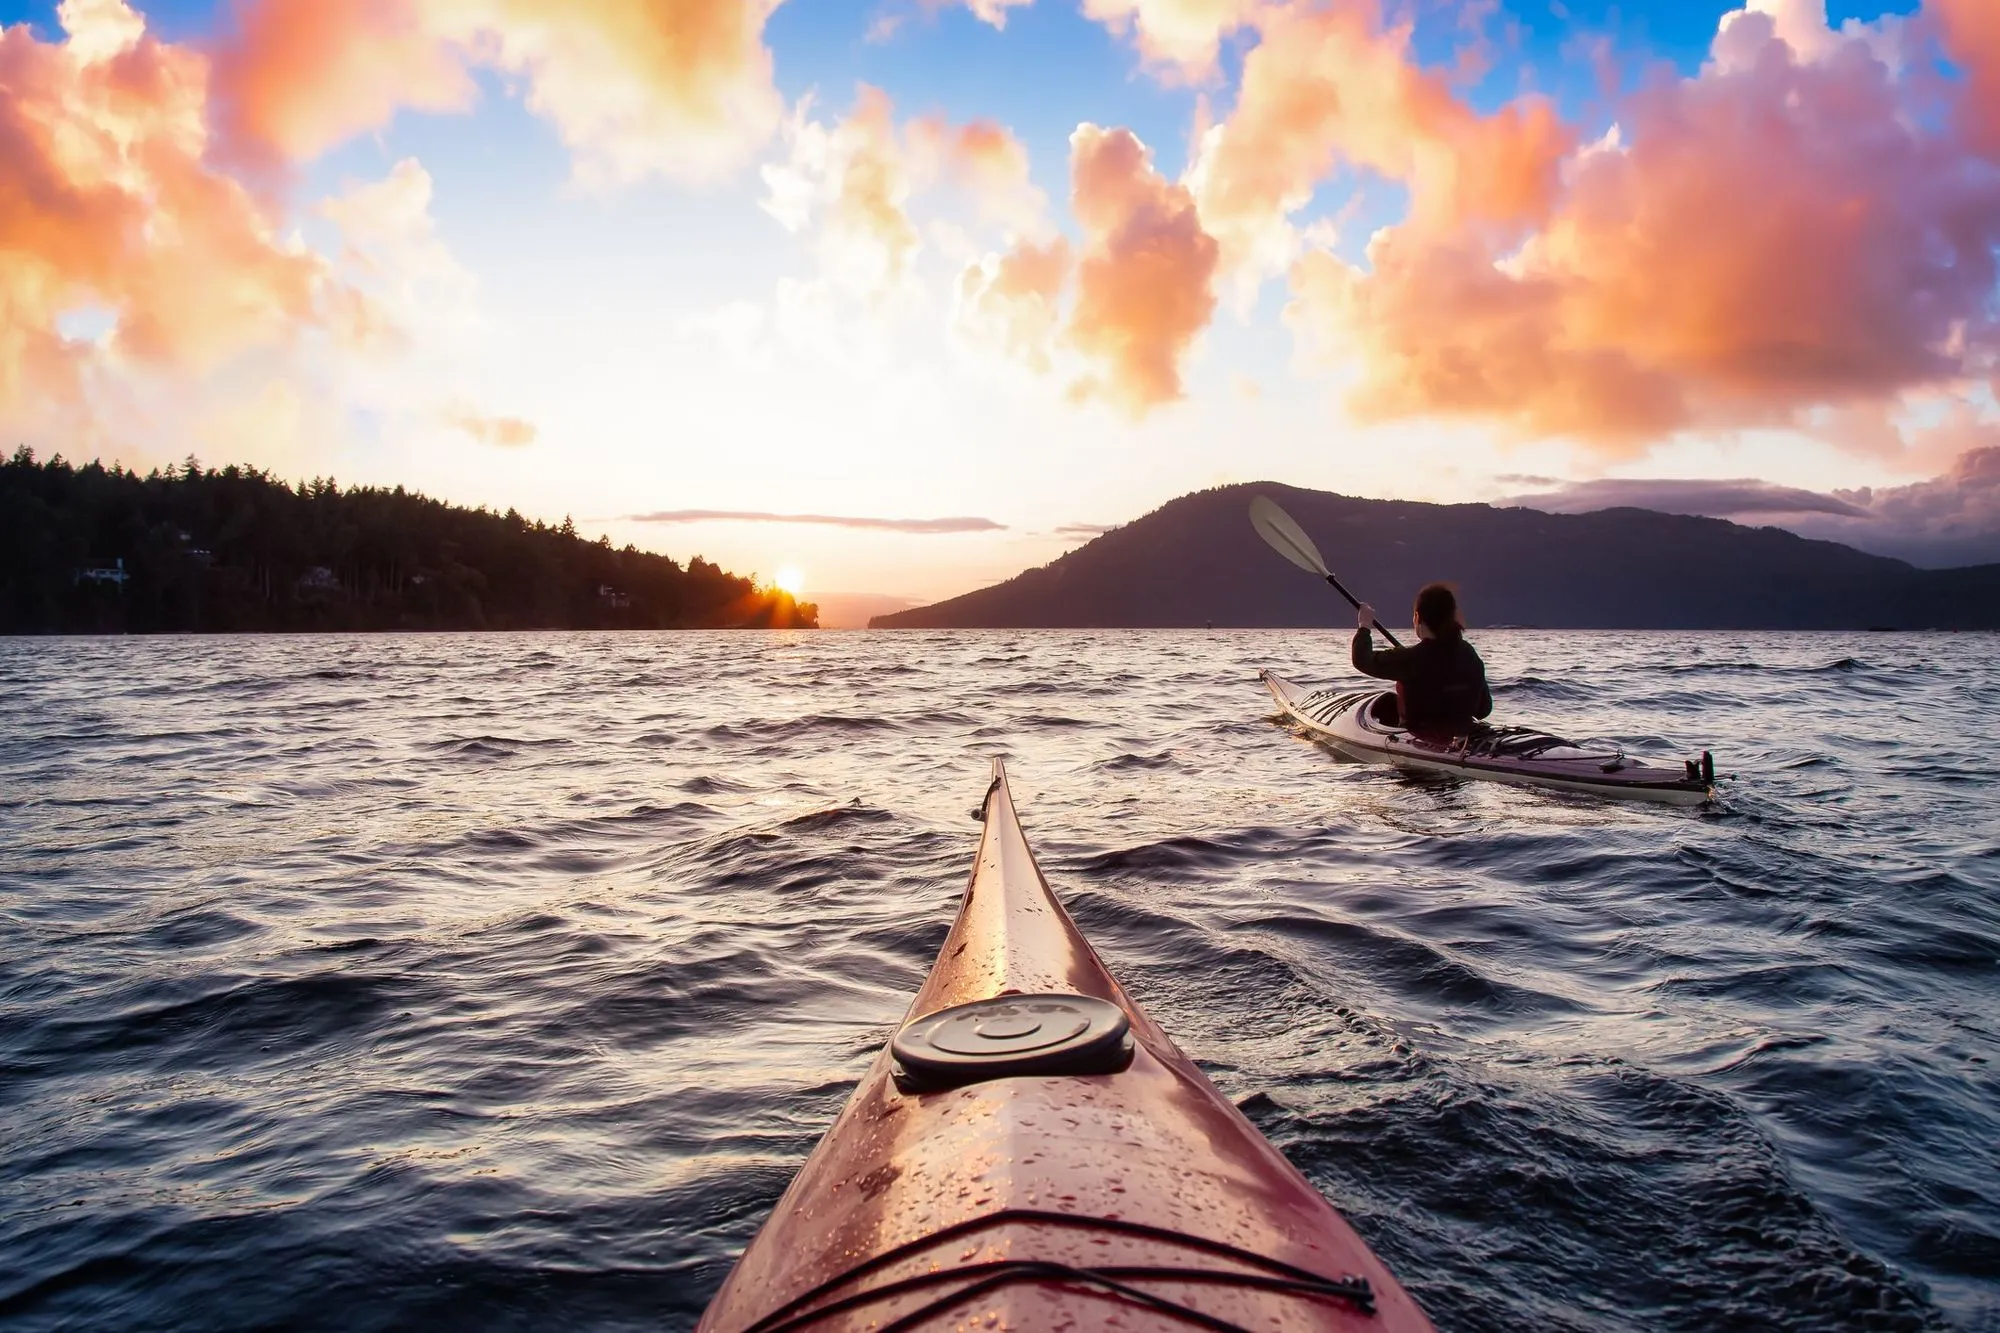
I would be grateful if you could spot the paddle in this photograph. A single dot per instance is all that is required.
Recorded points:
(1289, 540)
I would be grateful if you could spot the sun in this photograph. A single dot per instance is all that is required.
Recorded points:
(789, 581)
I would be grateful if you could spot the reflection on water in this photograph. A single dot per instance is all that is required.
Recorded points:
(493, 981)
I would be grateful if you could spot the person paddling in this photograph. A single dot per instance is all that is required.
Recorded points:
(1440, 681)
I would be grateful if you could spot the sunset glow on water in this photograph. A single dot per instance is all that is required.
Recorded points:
(491, 981)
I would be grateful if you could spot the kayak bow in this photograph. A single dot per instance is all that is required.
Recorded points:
(1031, 1151)
(1348, 721)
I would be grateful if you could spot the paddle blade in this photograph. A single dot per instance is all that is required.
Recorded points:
(1286, 537)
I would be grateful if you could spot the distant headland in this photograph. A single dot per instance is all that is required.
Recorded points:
(89, 549)
(1196, 562)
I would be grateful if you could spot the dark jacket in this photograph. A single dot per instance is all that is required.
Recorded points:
(1443, 681)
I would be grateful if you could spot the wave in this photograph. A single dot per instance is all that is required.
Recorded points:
(319, 954)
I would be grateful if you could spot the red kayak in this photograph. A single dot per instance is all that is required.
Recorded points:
(1031, 1152)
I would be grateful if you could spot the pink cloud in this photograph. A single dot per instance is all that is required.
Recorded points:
(1972, 34)
(1011, 302)
(984, 158)
(300, 76)
(107, 201)
(1735, 498)
(1950, 519)
(1775, 235)
(684, 90)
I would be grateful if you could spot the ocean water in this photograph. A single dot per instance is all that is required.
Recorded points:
(499, 982)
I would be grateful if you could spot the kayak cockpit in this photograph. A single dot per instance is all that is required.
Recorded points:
(1362, 725)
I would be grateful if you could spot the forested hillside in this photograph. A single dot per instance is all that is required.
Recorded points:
(95, 549)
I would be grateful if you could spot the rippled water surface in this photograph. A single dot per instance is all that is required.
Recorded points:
(501, 982)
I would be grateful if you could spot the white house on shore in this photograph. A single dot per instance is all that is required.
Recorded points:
(102, 573)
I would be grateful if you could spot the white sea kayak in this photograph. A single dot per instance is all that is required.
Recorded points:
(1351, 721)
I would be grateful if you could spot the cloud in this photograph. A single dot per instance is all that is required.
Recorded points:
(988, 11)
(503, 432)
(1641, 305)
(128, 209)
(107, 201)
(1085, 529)
(405, 288)
(682, 90)
(1145, 278)
(984, 158)
(850, 184)
(1716, 499)
(1972, 33)
(297, 77)
(149, 304)
(685, 90)
(1178, 38)
(853, 182)
(1951, 519)
(1332, 85)
(1139, 290)
(914, 525)
(1011, 303)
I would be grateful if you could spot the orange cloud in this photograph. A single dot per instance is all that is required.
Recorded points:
(107, 203)
(1011, 303)
(986, 159)
(1774, 235)
(1332, 85)
(1145, 280)
(503, 432)
(1972, 32)
(1918, 433)
(300, 76)
(147, 302)
(683, 90)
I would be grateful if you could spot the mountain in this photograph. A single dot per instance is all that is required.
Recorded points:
(1196, 561)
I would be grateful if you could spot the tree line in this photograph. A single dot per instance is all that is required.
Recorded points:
(91, 549)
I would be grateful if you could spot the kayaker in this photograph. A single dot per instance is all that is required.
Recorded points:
(1440, 680)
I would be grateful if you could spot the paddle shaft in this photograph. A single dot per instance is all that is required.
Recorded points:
(1341, 588)
(1282, 533)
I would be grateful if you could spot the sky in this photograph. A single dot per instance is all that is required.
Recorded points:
(906, 296)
